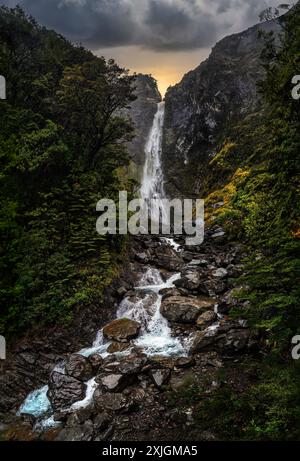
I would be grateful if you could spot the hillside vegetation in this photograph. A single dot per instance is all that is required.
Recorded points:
(61, 150)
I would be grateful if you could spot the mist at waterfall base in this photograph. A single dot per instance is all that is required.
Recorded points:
(155, 337)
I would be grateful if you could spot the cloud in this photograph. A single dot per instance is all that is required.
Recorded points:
(160, 25)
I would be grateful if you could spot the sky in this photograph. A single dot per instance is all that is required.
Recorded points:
(165, 38)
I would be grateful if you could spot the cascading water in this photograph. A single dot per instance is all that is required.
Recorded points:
(152, 186)
(155, 336)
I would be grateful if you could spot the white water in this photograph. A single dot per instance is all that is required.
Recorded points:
(155, 335)
(152, 186)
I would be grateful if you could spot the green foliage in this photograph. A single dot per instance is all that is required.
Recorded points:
(61, 147)
(263, 209)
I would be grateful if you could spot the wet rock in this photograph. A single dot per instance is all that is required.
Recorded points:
(122, 291)
(132, 365)
(203, 339)
(160, 376)
(224, 339)
(122, 330)
(185, 310)
(79, 367)
(191, 280)
(78, 433)
(96, 361)
(214, 287)
(115, 383)
(102, 421)
(160, 361)
(110, 402)
(220, 273)
(64, 390)
(218, 235)
(238, 340)
(184, 362)
(142, 257)
(206, 319)
(168, 261)
(117, 347)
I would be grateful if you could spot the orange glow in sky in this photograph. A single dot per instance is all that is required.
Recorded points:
(167, 68)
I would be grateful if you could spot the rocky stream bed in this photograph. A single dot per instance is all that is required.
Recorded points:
(167, 324)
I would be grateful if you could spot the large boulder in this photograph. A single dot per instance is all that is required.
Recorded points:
(160, 376)
(191, 280)
(182, 309)
(82, 432)
(110, 402)
(115, 382)
(79, 367)
(96, 361)
(122, 330)
(206, 319)
(115, 347)
(64, 390)
(225, 339)
(202, 339)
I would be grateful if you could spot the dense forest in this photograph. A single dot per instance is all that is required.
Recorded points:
(257, 172)
(62, 149)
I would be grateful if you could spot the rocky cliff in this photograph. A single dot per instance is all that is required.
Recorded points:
(141, 113)
(205, 105)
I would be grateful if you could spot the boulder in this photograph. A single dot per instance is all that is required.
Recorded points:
(110, 402)
(182, 309)
(191, 280)
(224, 339)
(79, 367)
(96, 361)
(206, 319)
(64, 390)
(115, 382)
(202, 339)
(121, 330)
(220, 273)
(185, 362)
(132, 365)
(117, 347)
(160, 376)
(169, 261)
(83, 432)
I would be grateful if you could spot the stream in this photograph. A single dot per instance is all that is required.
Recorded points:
(155, 336)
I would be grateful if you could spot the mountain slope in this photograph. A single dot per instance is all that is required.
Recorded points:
(205, 105)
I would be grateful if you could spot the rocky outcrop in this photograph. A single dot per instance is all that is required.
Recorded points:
(64, 390)
(185, 309)
(142, 112)
(121, 330)
(79, 367)
(201, 108)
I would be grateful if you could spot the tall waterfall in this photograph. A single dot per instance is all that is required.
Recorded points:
(152, 186)
(144, 306)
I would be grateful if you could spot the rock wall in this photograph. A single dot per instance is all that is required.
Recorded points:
(205, 104)
(142, 112)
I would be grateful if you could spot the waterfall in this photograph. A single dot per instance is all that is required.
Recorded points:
(155, 336)
(152, 186)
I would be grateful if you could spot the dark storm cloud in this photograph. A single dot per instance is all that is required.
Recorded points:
(178, 25)
(161, 25)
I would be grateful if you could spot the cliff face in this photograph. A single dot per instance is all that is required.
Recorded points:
(142, 112)
(203, 107)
